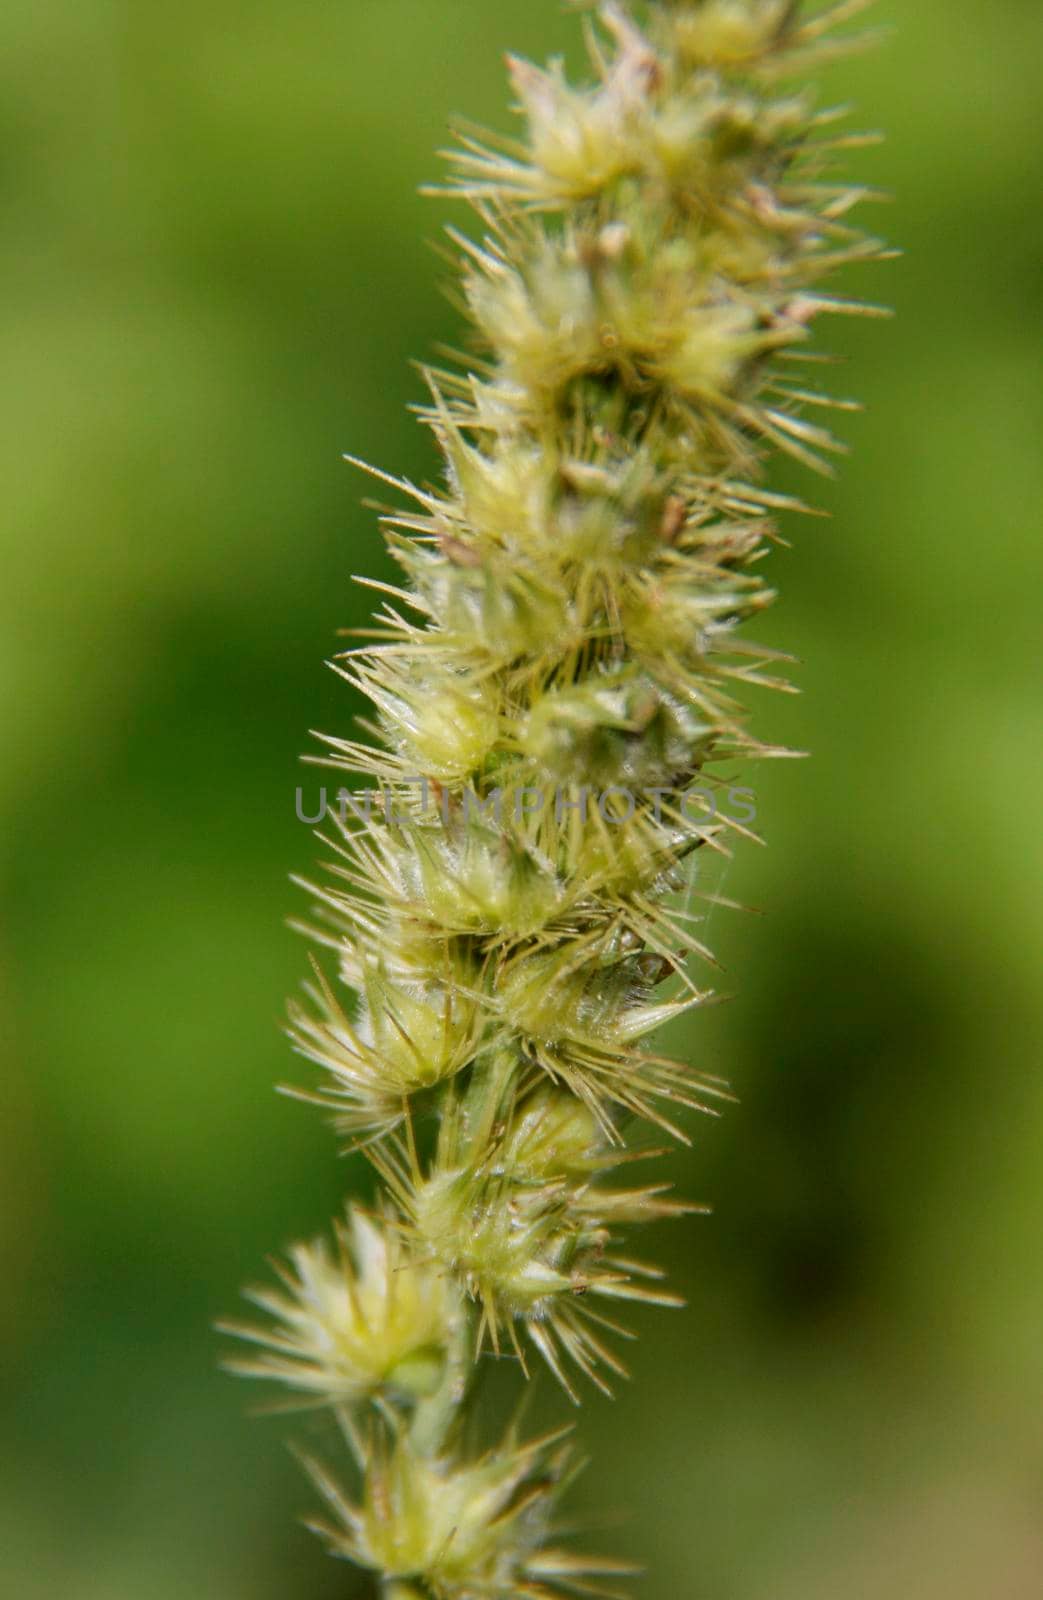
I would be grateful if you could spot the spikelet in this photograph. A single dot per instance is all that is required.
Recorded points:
(555, 686)
(459, 1528)
(355, 1323)
(515, 1203)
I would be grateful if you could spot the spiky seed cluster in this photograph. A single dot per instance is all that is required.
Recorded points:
(356, 1323)
(471, 1528)
(561, 664)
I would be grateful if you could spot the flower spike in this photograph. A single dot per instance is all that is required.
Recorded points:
(556, 693)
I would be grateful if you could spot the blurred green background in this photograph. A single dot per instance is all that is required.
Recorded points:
(214, 277)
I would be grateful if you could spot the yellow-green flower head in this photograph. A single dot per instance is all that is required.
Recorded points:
(353, 1321)
(579, 1011)
(407, 1037)
(441, 721)
(511, 1209)
(473, 880)
(459, 1529)
(617, 730)
(729, 33)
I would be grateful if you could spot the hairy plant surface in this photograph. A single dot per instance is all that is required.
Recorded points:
(554, 688)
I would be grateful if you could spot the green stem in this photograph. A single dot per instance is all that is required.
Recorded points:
(434, 1416)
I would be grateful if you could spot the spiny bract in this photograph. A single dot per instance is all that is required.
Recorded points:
(553, 688)
(355, 1323)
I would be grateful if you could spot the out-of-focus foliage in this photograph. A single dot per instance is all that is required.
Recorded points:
(213, 282)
